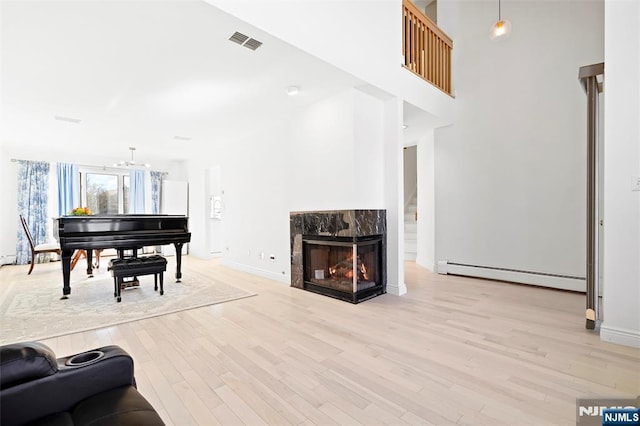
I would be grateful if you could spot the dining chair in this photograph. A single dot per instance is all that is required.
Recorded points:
(37, 249)
(82, 254)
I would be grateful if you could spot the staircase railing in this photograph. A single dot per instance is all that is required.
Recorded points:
(426, 48)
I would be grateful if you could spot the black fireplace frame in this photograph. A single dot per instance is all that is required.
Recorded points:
(348, 296)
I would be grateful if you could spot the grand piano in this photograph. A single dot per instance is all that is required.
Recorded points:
(122, 232)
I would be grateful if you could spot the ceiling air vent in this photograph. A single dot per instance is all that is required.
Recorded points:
(238, 38)
(243, 40)
(252, 44)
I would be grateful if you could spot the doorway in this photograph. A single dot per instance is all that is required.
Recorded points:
(410, 163)
(215, 213)
(419, 185)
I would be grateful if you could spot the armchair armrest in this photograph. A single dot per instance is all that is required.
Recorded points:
(76, 378)
(22, 362)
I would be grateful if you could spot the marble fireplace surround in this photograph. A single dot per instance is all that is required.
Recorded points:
(334, 223)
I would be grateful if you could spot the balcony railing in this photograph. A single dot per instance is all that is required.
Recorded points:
(426, 48)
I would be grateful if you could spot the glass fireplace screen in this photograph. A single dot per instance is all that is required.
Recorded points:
(344, 266)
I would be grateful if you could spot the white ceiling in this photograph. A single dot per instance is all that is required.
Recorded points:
(139, 73)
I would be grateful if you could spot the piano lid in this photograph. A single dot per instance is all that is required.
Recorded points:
(120, 223)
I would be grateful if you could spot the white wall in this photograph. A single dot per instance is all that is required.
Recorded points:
(327, 156)
(7, 213)
(335, 154)
(369, 159)
(361, 37)
(393, 194)
(510, 173)
(256, 222)
(621, 294)
(322, 155)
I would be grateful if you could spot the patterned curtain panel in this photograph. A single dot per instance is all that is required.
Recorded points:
(156, 184)
(136, 196)
(33, 179)
(68, 188)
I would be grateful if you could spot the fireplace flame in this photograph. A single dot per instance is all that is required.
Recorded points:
(344, 269)
(363, 270)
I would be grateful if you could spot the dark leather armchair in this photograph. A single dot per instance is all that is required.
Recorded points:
(95, 387)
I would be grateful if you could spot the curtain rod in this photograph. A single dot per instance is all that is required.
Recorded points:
(15, 160)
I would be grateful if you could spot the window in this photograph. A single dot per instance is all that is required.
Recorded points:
(102, 193)
(105, 191)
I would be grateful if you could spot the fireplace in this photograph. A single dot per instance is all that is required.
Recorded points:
(340, 253)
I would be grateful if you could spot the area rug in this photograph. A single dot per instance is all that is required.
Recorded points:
(31, 308)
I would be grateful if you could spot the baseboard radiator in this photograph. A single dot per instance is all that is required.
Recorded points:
(564, 282)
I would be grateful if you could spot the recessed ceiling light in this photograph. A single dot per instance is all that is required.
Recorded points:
(292, 90)
(404, 126)
(67, 119)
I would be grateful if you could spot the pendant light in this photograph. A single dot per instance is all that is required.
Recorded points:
(501, 28)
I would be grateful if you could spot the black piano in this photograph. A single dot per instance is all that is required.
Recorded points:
(120, 231)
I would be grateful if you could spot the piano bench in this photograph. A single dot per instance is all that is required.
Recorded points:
(136, 266)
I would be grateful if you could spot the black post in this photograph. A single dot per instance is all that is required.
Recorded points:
(66, 272)
(178, 261)
(588, 77)
(89, 262)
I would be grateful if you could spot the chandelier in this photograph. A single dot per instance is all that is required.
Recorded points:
(131, 163)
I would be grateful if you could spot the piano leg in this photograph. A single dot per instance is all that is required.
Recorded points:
(89, 262)
(66, 273)
(178, 261)
(98, 253)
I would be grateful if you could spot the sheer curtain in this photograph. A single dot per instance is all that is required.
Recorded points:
(68, 187)
(136, 200)
(33, 181)
(156, 185)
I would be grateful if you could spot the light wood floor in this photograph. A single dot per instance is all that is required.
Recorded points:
(454, 350)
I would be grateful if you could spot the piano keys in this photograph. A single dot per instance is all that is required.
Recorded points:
(121, 232)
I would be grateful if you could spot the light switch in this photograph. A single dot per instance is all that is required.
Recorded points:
(635, 183)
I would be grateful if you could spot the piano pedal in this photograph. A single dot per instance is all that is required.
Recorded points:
(129, 284)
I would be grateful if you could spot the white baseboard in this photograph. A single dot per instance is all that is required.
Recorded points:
(396, 290)
(620, 336)
(426, 263)
(522, 277)
(256, 271)
(7, 259)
